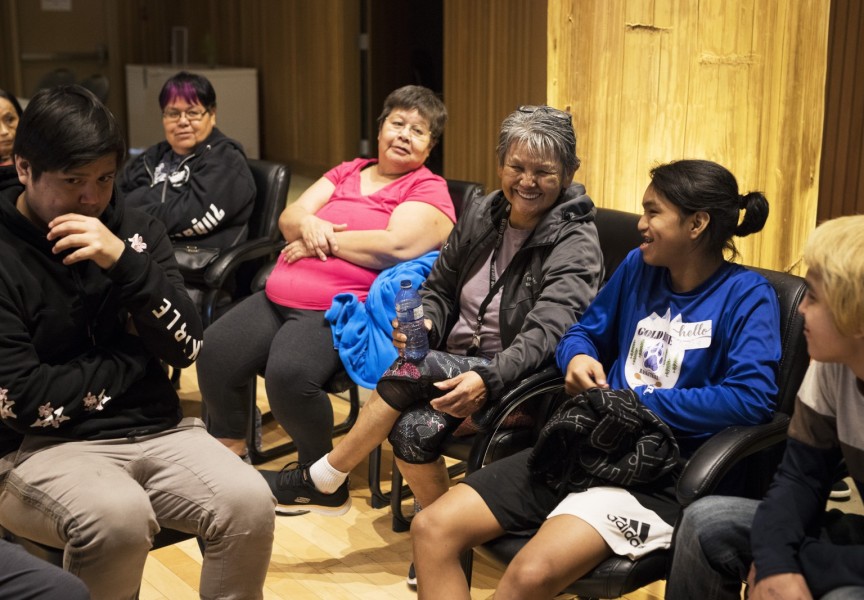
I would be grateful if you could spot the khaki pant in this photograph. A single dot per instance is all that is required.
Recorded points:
(104, 500)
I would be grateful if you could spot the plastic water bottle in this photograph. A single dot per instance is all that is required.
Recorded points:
(409, 313)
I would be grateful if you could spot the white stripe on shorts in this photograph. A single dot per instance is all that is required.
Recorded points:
(629, 528)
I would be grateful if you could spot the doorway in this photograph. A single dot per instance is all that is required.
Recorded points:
(404, 44)
(63, 42)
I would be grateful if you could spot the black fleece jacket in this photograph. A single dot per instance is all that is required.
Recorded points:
(206, 201)
(80, 347)
(548, 284)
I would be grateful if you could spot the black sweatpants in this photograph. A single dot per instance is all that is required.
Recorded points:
(295, 350)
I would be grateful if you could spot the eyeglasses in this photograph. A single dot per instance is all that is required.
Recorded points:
(193, 114)
(542, 108)
(414, 131)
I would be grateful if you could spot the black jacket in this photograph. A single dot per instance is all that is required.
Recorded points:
(548, 284)
(603, 437)
(208, 199)
(70, 364)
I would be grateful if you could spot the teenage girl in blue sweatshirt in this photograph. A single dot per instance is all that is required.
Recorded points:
(693, 334)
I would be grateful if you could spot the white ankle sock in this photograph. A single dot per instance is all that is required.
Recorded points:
(325, 477)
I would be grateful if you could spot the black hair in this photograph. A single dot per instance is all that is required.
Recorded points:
(66, 127)
(190, 87)
(702, 185)
(12, 100)
(427, 103)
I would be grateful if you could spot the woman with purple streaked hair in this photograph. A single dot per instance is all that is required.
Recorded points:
(197, 181)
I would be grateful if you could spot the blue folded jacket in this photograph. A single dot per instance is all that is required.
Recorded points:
(362, 333)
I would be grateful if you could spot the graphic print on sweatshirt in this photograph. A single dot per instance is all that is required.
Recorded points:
(658, 348)
(176, 178)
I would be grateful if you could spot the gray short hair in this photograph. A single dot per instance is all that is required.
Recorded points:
(545, 131)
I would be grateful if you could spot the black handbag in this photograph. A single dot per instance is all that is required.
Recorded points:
(194, 260)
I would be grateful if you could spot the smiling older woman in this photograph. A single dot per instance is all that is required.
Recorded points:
(359, 218)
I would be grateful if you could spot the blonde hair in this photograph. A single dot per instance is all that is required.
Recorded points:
(835, 251)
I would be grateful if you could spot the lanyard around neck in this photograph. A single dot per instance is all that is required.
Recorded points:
(495, 284)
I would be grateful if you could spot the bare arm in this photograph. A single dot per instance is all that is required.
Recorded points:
(299, 223)
(414, 229)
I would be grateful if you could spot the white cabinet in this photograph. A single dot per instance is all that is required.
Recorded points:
(236, 103)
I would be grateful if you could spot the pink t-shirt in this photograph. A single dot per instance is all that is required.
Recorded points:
(311, 283)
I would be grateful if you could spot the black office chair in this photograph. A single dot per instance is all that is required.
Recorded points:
(232, 272)
(752, 452)
(461, 192)
(618, 235)
(227, 278)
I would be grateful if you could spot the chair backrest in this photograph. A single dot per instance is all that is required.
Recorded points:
(462, 193)
(272, 181)
(618, 236)
(750, 463)
(59, 76)
(794, 359)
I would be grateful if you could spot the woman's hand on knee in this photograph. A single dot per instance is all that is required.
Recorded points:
(467, 393)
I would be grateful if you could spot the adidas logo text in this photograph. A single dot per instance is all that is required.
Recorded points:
(634, 532)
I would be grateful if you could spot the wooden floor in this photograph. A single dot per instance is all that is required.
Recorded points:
(354, 556)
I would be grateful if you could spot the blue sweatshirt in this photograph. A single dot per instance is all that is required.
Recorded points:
(702, 360)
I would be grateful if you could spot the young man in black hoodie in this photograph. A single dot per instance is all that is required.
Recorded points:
(96, 453)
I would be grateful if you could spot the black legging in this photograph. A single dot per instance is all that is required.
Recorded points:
(295, 347)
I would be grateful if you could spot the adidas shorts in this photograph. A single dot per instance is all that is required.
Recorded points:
(624, 520)
(632, 522)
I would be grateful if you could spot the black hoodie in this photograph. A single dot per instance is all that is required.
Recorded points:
(208, 198)
(80, 347)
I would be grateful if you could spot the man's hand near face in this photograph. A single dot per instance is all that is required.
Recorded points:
(86, 238)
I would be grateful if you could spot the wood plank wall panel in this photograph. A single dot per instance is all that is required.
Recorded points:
(312, 90)
(739, 82)
(10, 66)
(307, 59)
(841, 181)
(494, 61)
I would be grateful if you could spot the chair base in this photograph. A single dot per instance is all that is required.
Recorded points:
(258, 455)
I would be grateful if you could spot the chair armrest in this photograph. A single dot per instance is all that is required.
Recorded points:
(495, 413)
(716, 457)
(221, 269)
(532, 387)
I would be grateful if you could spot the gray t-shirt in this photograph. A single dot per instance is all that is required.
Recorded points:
(475, 290)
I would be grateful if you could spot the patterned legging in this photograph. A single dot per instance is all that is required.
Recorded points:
(417, 435)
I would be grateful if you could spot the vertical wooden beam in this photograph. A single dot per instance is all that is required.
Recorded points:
(494, 61)
(739, 82)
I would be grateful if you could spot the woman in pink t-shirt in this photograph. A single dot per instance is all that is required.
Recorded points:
(361, 217)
